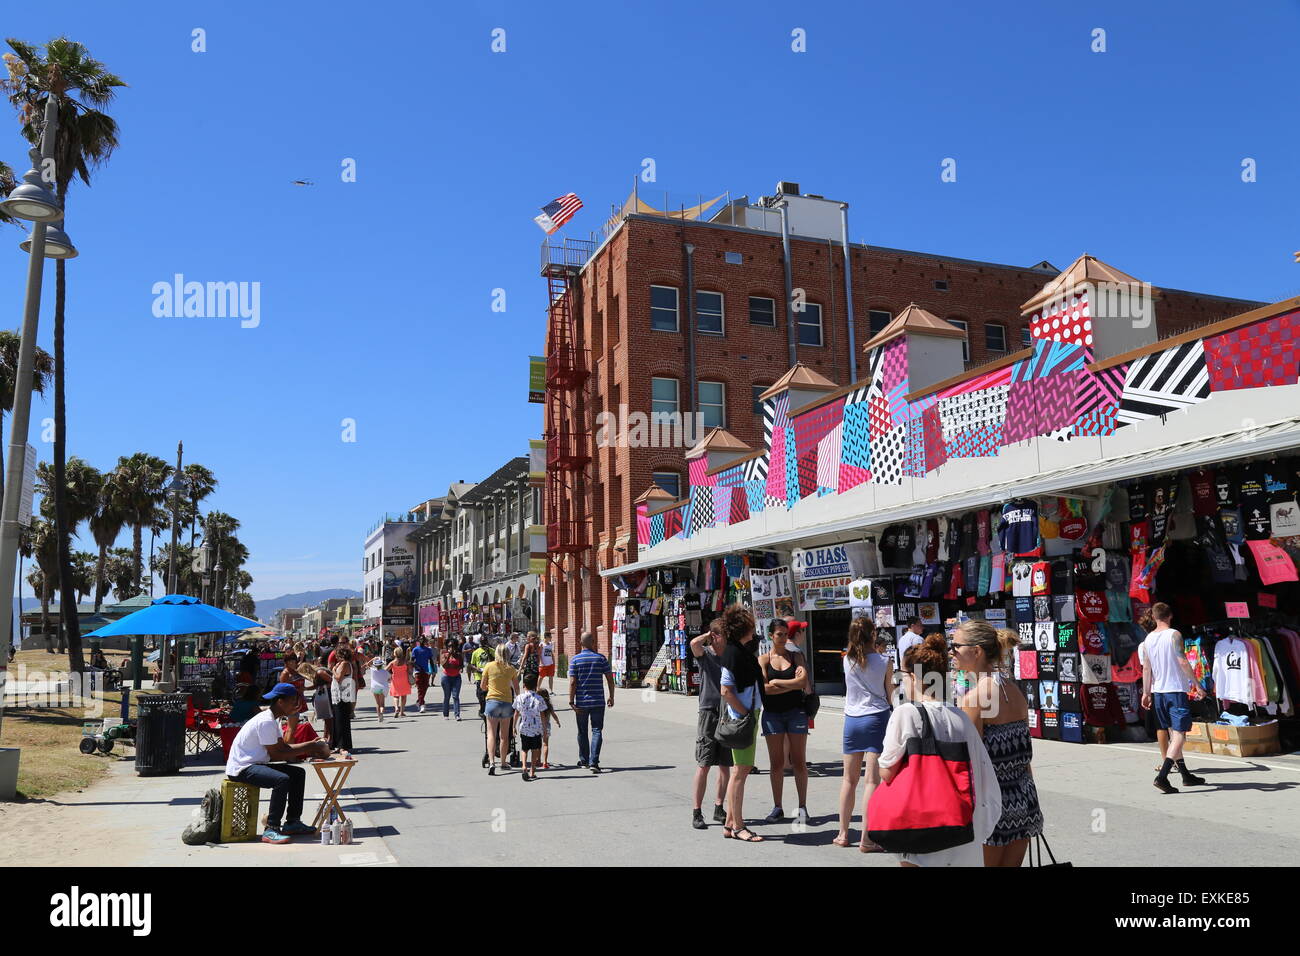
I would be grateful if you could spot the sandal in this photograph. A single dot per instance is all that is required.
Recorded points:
(870, 847)
(727, 833)
(752, 838)
(841, 841)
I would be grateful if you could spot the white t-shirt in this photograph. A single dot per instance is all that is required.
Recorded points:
(1164, 649)
(908, 639)
(548, 655)
(251, 743)
(950, 726)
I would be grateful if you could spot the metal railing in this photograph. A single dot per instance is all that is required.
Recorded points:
(567, 253)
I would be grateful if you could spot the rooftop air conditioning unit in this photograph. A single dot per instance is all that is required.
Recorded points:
(787, 188)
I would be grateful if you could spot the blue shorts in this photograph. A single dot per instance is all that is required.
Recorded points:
(865, 734)
(499, 709)
(785, 722)
(1172, 712)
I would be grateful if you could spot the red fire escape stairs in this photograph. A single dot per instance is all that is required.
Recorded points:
(568, 449)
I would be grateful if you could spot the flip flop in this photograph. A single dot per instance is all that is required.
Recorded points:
(871, 848)
(841, 841)
(752, 838)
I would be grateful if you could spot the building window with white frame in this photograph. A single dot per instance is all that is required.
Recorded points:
(708, 313)
(663, 396)
(810, 324)
(713, 404)
(663, 308)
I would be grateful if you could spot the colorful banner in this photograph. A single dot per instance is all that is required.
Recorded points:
(536, 379)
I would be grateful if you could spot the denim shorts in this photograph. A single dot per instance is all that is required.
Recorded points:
(866, 734)
(785, 722)
(499, 709)
(1172, 712)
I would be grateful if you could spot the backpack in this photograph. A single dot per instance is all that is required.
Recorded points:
(205, 822)
(930, 804)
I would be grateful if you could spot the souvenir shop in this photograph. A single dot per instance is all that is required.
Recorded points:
(1070, 573)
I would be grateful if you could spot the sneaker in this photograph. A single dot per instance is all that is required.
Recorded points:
(594, 768)
(525, 776)
(272, 835)
(776, 816)
(697, 821)
(546, 766)
(802, 817)
(492, 770)
(1164, 786)
(421, 710)
(1191, 780)
(581, 764)
(719, 813)
(297, 828)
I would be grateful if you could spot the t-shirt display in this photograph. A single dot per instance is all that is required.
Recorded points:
(1067, 637)
(1021, 579)
(1067, 692)
(1018, 527)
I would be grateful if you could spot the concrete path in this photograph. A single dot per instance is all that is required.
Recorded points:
(420, 796)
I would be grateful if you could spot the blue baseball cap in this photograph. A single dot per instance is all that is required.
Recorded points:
(281, 690)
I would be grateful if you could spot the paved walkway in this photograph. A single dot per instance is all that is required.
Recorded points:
(420, 796)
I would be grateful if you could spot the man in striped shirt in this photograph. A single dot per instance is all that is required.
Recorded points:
(587, 698)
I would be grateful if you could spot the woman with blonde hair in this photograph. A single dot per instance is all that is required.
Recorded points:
(1000, 712)
(500, 683)
(868, 682)
(400, 669)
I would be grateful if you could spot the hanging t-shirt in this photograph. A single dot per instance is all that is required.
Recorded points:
(1067, 667)
(1018, 527)
(1030, 689)
(1225, 489)
(1063, 607)
(1067, 637)
(1047, 695)
(1035, 723)
(1026, 632)
(1092, 640)
(954, 539)
(998, 578)
(1042, 608)
(1139, 536)
(1253, 488)
(982, 531)
(986, 574)
(931, 541)
(1138, 496)
(1071, 728)
(970, 574)
(1091, 606)
(1067, 695)
(1096, 668)
(943, 539)
(1023, 610)
(1062, 576)
(1232, 677)
(1028, 665)
(1272, 563)
(1021, 575)
(1284, 517)
(1101, 706)
(1047, 664)
(918, 543)
(1044, 636)
(1040, 581)
(1049, 519)
(1204, 500)
(1051, 724)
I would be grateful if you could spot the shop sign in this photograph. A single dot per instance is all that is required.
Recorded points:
(536, 379)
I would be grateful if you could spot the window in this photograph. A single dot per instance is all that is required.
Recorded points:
(878, 319)
(762, 311)
(663, 396)
(708, 312)
(965, 342)
(713, 412)
(1026, 340)
(941, 285)
(758, 391)
(669, 481)
(734, 258)
(663, 308)
(810, 324)
(995, 337)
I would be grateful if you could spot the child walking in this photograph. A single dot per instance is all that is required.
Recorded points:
(548, 715)
(531, 707)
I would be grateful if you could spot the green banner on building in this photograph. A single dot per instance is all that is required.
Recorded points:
(536, 379)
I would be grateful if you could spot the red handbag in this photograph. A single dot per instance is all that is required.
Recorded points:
(930, 804)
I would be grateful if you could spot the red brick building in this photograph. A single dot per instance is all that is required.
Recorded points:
(668, 314)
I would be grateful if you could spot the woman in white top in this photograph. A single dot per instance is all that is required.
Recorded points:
(379, 679)
(343, 698)
(924, 677)
(868, 681)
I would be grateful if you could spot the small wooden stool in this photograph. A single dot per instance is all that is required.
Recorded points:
(239, 803)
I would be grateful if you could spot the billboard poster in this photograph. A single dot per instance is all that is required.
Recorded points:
(536, 379)
(399, 586)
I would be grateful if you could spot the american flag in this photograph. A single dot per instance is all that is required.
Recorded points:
(557, 212)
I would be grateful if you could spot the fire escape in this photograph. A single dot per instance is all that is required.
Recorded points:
(567, 440)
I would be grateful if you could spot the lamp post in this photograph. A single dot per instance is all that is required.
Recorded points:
(36, 203)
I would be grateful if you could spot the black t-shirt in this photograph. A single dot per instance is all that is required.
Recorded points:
(1225, 489)
(1138, 496)
(1253, 486)
(710, 679)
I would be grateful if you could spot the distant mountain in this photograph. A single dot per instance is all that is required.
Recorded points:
(266, 609)
(33, 604)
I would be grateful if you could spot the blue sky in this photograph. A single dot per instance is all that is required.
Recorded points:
(376, 295)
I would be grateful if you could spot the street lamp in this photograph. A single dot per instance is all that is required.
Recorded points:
(33, 202)
(57, 244)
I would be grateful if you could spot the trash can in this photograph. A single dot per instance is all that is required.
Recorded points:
(159, 734)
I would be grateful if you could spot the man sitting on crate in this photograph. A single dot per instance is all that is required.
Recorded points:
(261, 741)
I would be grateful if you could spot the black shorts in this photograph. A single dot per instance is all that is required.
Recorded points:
(527, 743)
(708, 752)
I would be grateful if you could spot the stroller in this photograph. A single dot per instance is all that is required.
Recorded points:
(514, 758)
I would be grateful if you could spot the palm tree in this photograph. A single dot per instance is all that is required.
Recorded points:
(83, 573)
(201, 483)
(82, 486)
(45, 550)
(105, 525)
(139, 491)
(7, 184)
(43, 370)
(86, 138)
(120, 571)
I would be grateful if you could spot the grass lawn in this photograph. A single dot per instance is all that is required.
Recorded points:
(48, 736)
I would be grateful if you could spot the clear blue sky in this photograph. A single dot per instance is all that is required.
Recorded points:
(376, 295)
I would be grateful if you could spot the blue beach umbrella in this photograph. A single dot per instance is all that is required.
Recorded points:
(176, 614)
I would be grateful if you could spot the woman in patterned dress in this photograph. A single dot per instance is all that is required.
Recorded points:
(1001, 714)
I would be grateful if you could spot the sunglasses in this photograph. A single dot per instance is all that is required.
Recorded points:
(954, 645)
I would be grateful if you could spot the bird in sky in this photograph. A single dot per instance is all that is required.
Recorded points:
(303, 182)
